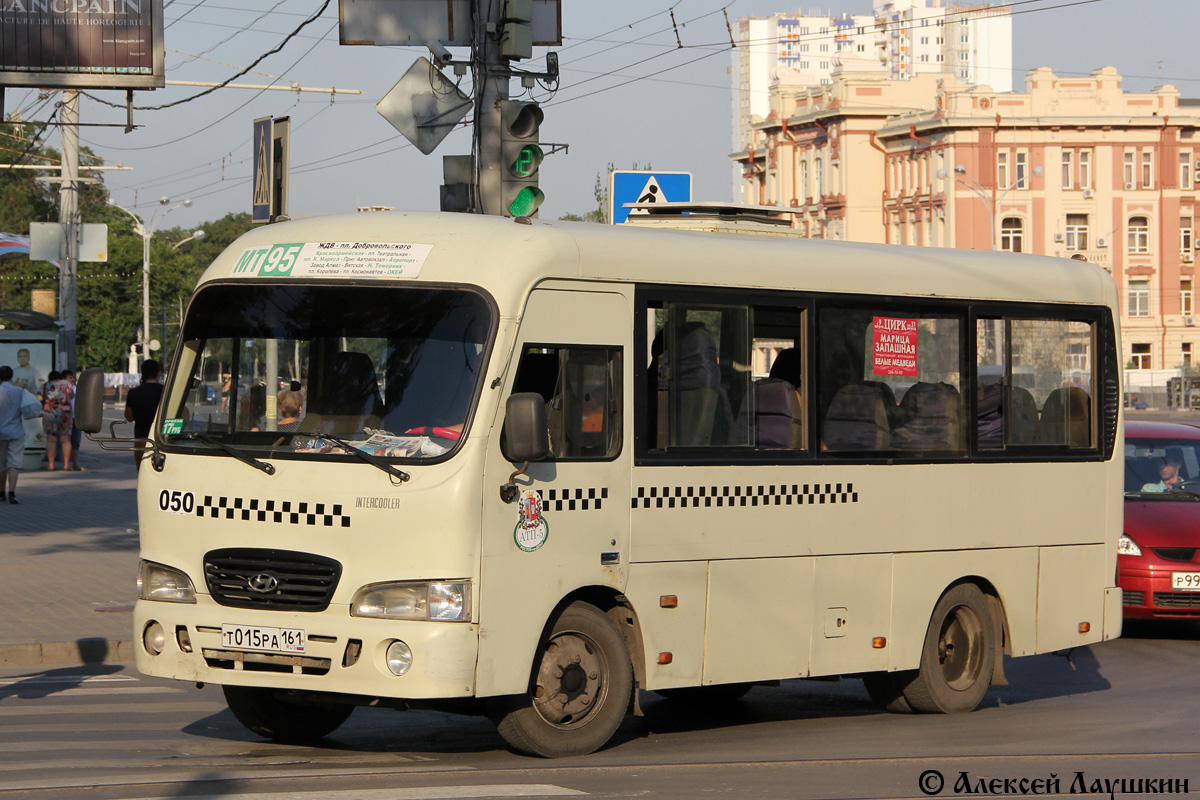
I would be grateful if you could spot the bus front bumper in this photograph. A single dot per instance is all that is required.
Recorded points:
(340, 653)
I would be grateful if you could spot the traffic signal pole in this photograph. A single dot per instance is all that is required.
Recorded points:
(492, 79)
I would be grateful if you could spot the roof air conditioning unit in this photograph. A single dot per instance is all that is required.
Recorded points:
(1101, 241)
(1058, 237)
(1129, 187)
(1088, 194)
(1188, 258)
(1189, 321)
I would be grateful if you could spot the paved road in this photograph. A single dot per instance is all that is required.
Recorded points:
(1123, 709)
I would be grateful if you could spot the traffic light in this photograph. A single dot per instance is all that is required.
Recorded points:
(520, 157)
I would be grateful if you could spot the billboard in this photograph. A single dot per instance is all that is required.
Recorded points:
(415, 22)
(67, 44)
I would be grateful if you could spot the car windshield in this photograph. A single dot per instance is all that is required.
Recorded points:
(1162, 466)
(391, 371)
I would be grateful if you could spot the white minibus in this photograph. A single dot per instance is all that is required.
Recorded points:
(530, 468)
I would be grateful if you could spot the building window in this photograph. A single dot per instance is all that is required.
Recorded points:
(924, 40)
(803, 48)
(1139, 235)
(1085, 169)
(1021, 182)
(1077, 231)
(862, 48)
(1128, 170)
(1067, 170)
(804, 31)
(1139, 298)
(1002, 169)
(1185, 170)
(940, 40)
(820, 176)
(1185, 297)
(1012, 235)
(824, 65)
(1185, 235)
(1147, 169)
(824, 48)
(1185, 350)
(964, 38)
(1140, 358)
(925, 57)
(804, 193)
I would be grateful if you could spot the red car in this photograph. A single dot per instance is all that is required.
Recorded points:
(1157, 564)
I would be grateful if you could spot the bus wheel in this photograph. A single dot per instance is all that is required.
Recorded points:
(958, 655)
(580, 693)
(262, 712)
(887, 690)
(716, 694)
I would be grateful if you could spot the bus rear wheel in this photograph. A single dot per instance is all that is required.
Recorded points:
(581, 688)
(263, 712)
(958, 654)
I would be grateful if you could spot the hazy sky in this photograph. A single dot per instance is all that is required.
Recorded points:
(628, 93)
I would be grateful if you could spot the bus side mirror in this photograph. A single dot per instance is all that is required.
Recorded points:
(89, 400)
(528, 438)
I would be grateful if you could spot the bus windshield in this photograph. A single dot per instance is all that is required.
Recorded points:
(291, 369)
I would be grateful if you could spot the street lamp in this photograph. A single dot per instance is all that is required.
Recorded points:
(196, 236)
(990, 202)
(146, 230)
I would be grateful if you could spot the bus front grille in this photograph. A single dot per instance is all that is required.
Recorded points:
(278, 580)
(1129, 598)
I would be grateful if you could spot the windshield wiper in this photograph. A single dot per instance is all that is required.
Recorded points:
(240, 456)
(374, 461)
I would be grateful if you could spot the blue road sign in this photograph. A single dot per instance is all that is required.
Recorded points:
(645, 186)
(263, 163)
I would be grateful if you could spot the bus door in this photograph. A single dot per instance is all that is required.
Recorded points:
(568, 526)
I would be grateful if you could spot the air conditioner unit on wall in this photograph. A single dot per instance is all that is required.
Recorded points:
(1088, 194)
(1101, 241)
(1059, 237)
(1189, 321)
(1188, 258)
(1129, 187)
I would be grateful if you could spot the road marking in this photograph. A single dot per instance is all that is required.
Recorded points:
(41, 680)
(423, 793)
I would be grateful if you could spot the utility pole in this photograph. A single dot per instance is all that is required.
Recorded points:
(492, 92)
(68, 216)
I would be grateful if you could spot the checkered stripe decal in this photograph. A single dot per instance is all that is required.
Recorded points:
(323, 514)
(721, 496)
(573, 499)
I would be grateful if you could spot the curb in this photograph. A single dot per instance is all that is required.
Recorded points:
(83, 651)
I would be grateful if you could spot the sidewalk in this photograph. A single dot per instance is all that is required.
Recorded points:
(68, 563)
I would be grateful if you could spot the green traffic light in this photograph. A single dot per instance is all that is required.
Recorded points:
(526, 202)
(527, 161)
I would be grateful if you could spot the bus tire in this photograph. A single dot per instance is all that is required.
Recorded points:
(958, 655)
(265, 713)
(887, 690)
(717, 694)
(580, 691)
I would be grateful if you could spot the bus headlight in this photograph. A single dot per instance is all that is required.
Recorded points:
(399, 658)
(442, 601)
(1126, 546)
(165, 584)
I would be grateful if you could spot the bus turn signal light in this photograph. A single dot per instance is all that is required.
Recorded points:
(1085, 627)
(668, 601)
(879, 642)
(665, 658)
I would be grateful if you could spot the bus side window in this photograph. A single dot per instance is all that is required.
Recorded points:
(581, 388)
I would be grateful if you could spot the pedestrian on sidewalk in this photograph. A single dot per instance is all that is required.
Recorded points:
(56, 419)
(141, 406)
(12, 433)
(76, 433)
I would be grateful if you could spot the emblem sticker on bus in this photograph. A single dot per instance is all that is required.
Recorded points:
(532, 529)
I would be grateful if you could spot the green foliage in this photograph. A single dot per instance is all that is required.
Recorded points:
(109, 299)
(600, 213)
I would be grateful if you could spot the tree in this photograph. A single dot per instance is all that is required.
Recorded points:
(600, 212)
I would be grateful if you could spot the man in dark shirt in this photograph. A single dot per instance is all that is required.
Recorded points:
(141, 406)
